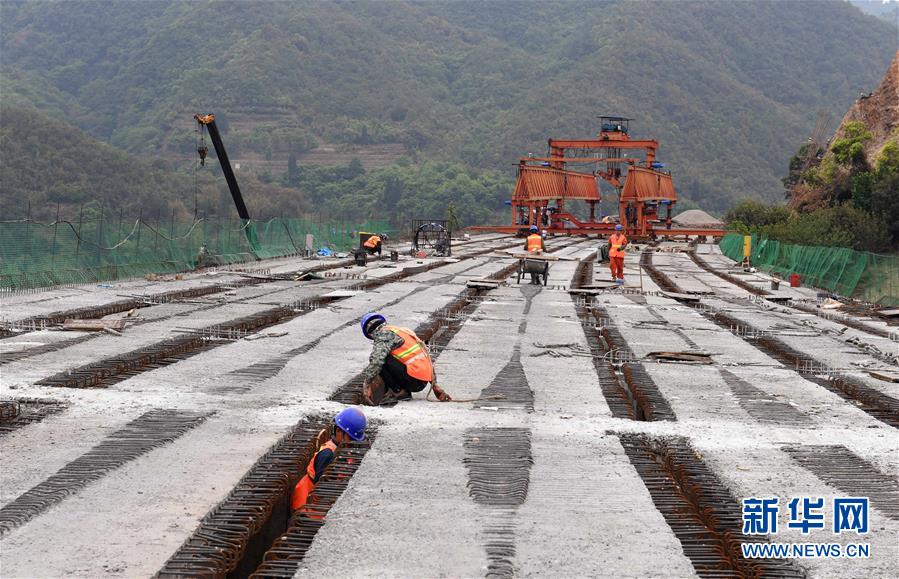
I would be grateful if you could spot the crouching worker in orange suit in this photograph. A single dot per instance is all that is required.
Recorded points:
(398, 366)
(348, 425)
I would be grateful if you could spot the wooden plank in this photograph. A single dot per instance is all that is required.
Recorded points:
(93, 325)
(536, 256)
(341, 294)
(680, 297)
(699, 357)
(600, 285)
(473, 283)
(885, 376)
(888, 313)
(585, 292)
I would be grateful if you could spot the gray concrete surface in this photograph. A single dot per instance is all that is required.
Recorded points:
(407, 511)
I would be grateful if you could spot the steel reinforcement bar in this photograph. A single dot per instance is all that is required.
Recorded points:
(91, 312)
(845, 320)
(499, 463)
(151, 430)
(283, 558)
(841, 468)
(880, 406)
(700, 510)
(251, 528)
(873, 402)
(15, 414)
(628, 389)
(442, 325)
(109, 371)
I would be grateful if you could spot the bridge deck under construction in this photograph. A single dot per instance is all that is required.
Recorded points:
(615, 431)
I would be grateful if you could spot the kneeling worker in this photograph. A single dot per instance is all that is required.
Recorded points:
(399, 363)
(348, 425)
(373, 245)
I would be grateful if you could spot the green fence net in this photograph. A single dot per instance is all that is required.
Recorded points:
(857, 274)
(34, 255)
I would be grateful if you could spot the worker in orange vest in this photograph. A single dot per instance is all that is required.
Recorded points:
(348, 425)
(534, 242)
(617, 243)
(373, 245)
(399, 365)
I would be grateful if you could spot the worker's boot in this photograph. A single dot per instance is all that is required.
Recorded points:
(394, 396)
(373, 391)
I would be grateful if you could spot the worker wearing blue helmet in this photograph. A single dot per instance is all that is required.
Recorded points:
(399, 364)
(348, 425)
(617, 245)
(534, 244)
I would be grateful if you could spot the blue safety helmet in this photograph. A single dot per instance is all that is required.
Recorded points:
(368, 325)
(618, 227)
(534, 228)
(353, 422)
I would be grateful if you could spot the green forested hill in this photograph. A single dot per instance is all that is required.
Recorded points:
(729, 88)
(46, 161)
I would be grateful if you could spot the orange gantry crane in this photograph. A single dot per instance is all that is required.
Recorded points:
(646, 195)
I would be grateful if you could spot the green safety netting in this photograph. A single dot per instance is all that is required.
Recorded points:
(858, 274)
(36, 255)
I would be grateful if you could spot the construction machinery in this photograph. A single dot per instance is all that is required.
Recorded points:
(207, 122)
(431, 236)
(547, 185)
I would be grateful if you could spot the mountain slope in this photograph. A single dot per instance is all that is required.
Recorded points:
(728, 88)
(45, 161)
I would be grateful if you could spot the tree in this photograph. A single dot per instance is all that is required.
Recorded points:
(851, 149)
(451, 217)
(293, 171)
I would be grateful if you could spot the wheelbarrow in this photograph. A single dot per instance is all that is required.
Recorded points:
(532, 265)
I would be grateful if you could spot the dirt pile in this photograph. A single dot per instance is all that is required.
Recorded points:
(696, 218)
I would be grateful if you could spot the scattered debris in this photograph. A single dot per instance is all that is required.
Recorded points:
(830, 304)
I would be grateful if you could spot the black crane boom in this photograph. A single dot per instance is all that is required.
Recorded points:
(208, 121)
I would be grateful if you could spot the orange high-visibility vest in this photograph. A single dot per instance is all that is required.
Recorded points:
(413, 354)
(616, 242)
(372, 242)
(306, 484)
(535, 242)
